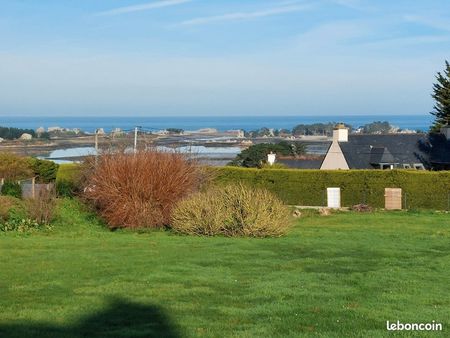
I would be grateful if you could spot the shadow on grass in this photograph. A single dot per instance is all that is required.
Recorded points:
(119, 319)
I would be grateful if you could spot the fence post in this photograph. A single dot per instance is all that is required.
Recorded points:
(406, 200)
(334, 198)
(33, 188)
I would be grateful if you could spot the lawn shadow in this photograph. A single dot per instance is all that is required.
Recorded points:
(119, 319)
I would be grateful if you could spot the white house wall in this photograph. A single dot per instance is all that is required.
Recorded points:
(334, 159)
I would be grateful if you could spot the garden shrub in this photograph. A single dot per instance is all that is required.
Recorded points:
(44, 171)
(11, 188)
(8, 207)
(14, 216)
(232, 210)
(41, 209)
(14, 167)
(140, 190)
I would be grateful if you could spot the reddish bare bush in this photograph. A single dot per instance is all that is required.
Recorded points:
(140, 190)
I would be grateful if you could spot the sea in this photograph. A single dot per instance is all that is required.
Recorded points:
(221, 123)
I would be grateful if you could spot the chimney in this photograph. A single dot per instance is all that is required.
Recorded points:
(446, 131)
(271, 158)
(340, 133)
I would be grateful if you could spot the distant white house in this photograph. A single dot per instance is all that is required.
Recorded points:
(54, 129)
(26, 137)
(117, 132)
(40, 131)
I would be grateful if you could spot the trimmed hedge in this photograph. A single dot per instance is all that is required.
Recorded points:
(421, 189)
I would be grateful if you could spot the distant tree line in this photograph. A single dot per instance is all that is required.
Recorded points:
(175, 131)
(256, 155)
(377, 127)
(14, 133)
(322, 129)
(9, 133)
(325, 129)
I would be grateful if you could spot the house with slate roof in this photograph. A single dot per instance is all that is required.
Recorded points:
(388, 151)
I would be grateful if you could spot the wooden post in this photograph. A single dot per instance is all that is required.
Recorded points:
(96, 146)
(33, 188)
(393, 198)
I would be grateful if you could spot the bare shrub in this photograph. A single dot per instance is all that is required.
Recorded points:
(233, 210)
(41, 209)
(140, 190)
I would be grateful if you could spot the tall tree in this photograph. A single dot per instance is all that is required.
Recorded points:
(441, 94)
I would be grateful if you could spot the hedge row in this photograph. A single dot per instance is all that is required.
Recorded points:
(421, 189)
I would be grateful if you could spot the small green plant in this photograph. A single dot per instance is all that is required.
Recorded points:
(234, 210)
(11, 188)
(22, 225)
(65, 188)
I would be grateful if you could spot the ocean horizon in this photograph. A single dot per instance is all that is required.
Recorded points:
(221, 123)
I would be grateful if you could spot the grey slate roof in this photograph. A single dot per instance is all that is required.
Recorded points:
(381, 155)
(367, 151)
(302, 164)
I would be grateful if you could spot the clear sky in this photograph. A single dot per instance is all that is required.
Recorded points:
(220, 57)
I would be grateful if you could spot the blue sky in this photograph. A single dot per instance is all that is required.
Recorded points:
(214, 57)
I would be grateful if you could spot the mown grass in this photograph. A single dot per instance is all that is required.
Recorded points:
(339, 276)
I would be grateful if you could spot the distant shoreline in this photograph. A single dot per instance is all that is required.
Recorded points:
(221, 123)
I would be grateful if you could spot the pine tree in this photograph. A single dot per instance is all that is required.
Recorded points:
(441, 94)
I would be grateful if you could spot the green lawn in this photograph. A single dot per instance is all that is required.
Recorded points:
(339, 276)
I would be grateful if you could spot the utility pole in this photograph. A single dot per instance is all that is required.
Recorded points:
(135, 138)
(96, 146)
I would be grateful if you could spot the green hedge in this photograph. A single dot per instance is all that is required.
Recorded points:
(67, 179)
(421, 189)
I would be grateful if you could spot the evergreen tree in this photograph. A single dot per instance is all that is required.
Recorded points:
(441, 94)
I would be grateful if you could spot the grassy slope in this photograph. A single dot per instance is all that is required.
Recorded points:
(342, 275)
